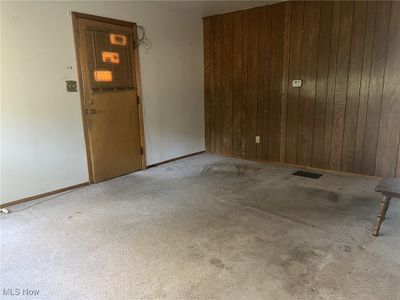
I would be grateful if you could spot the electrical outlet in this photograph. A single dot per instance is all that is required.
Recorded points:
(72, 86)
(296, 83)
(258, 139)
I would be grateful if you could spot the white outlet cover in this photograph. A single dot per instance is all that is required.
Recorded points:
(296, 83)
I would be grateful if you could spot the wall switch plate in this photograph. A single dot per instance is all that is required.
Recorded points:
(258, 139)
(72, 86)
(296, 83)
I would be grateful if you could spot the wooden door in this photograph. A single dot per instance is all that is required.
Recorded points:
(110, 95)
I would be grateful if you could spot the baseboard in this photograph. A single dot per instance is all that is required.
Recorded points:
(174, 159)
(85, 183)
(72, 187)
(334, 172)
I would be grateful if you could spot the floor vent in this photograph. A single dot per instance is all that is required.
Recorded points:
(307, 174)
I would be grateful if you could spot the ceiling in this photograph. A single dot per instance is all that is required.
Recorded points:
(209, 8)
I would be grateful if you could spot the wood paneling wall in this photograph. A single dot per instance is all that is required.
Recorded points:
(346, 115)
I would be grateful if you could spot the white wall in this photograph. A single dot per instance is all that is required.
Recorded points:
(42, 139)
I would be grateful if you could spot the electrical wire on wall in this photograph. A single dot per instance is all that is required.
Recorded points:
(143, 40)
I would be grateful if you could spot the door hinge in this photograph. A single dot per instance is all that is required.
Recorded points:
(141, 151)
(138, 99)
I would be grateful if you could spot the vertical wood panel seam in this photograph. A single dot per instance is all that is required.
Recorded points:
(254, 60)
(383, 85)
(242, 18)
(245, 19)
(209, 85)
(233, 77)
(269, 83)
(213, 139)
(213, 133)
(330, 67)
(369, 86)
(222, 90)
(262, 15)
(212, 105)
(232, 69)
(288, 84)
(334, 84)
(285, 79)
(301, 75)
(259, 23)
(347, 84)
(221, 87)
(361, 79)
(327, 79)
(206, 35)
(263, 137)
(316, 78)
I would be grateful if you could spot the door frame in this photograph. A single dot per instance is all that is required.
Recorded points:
(75, 23)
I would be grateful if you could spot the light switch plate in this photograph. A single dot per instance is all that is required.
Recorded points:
(258, 139)
(296, 83)
(72, 86)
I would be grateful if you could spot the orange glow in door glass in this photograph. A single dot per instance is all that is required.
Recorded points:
(110, 57)
(103, 76)
(118, 39)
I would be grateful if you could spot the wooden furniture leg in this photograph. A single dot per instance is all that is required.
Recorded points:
(381, 214)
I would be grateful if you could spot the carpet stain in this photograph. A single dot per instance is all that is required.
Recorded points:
(237, 169)
(319, 194)
(217, 263)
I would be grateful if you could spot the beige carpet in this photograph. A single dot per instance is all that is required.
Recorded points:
(205, 227)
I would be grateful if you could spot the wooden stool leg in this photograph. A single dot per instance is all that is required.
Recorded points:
(386, 208)
(381, 214)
